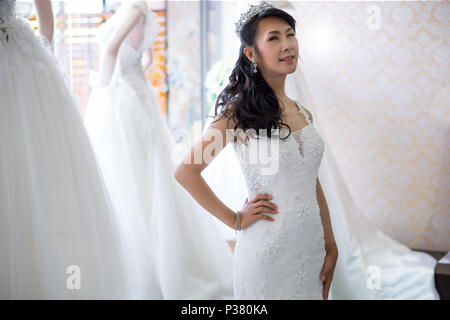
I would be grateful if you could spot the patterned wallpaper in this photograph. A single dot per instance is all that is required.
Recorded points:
(379, 77)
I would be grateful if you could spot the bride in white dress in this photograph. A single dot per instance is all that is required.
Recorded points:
(286, 248)
(176, 250)
(58, 236)
(371, 265)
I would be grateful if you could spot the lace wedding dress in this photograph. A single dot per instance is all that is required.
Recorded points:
(56, 221)
(282, 259)
(176, 251)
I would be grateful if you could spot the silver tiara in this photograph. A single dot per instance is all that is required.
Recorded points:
(253, 11)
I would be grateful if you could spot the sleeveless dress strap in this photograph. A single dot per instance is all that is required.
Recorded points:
(301, 108)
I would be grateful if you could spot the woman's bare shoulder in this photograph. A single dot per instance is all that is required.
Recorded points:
(226, 122)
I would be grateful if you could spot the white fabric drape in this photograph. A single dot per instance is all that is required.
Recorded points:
(371, 265)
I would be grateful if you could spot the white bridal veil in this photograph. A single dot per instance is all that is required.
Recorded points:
(371, 265)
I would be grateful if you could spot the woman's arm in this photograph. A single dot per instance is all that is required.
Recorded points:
(188, 174)
(110, 51)
(331, 256)
(147, 60)
(330, 243)
(45, 18)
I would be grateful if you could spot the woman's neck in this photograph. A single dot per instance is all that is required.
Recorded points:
(277, 83)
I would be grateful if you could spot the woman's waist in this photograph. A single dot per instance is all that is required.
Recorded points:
(283, 188)
(294, 223)
(295, 199)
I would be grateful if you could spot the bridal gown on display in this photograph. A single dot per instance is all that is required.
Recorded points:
(58, 236)
(282, 259)
(177, 250)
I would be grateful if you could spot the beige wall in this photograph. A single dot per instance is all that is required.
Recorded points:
(382, 93)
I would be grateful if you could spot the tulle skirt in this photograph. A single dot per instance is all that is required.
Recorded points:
(174, 239)
(58, 236)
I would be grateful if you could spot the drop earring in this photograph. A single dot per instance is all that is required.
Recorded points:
(255, 66)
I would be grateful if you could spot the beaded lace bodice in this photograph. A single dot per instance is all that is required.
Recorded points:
(297, 159)
(291, 247)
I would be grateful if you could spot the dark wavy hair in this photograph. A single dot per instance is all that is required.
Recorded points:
(255, 105)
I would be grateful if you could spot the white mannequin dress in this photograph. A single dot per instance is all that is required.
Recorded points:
(56, 220)
(173, 239)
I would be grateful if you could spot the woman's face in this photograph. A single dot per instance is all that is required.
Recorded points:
(276, 41)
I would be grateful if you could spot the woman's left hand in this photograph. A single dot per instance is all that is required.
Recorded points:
(328, 268)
